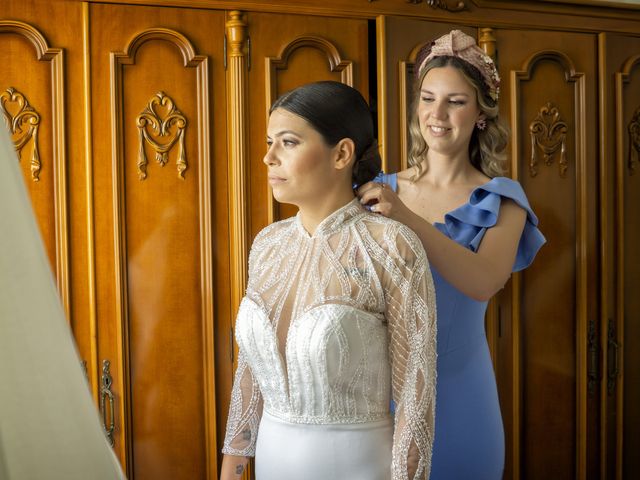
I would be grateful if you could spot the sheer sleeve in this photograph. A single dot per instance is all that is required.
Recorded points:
(411, 315)
(245, 409)
(245, 412)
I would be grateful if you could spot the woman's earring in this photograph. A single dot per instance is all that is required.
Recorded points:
(481, 123)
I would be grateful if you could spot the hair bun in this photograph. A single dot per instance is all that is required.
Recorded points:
(367, 166)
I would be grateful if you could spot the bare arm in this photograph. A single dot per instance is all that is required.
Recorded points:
(478, 275)
(233, 467)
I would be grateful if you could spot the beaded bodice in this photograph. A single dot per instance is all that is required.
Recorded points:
(332, 326)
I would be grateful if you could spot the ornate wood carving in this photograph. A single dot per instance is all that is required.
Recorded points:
(161, 126)
(458, 7)
(634, 141)
(23, 121)
(549, 134)
(487, 42)
(55, 57)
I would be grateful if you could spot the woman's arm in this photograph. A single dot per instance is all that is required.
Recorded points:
(233, 467)
(411, 315)
(478, 275)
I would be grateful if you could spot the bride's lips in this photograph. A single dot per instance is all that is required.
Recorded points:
(275, 180)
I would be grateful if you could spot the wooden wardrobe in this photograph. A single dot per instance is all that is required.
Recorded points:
(140, 127)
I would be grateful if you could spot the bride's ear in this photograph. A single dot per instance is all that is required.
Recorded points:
(344, 153)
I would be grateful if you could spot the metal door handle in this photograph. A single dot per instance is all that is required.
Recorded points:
(612, 359)
(107, 394)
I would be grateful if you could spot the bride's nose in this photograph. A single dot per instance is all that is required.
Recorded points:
(270, 158)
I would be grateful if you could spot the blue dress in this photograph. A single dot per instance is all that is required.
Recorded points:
(469, 435)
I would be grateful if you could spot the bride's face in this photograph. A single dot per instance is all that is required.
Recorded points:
(298, 159)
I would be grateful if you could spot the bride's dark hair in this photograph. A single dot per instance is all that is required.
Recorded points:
(337, 111)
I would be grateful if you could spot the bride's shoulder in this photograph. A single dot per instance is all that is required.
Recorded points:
(393, 238)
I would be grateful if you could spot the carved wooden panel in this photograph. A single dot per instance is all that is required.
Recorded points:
(623, 353)
(153, 85)
(32, 104)
(549, 99)
(288, 51)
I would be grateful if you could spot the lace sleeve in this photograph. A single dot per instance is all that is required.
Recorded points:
(245, 412)
(245, 409)
(411, 314)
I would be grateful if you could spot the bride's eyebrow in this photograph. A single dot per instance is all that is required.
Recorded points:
(453, 94)
(285, 132)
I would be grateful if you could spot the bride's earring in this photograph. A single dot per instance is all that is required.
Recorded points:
(481, 123)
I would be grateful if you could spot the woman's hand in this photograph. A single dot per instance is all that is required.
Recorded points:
(381, 199)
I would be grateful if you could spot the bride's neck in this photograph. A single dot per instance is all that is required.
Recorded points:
(314, 212)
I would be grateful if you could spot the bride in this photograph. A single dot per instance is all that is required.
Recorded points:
(339, 314)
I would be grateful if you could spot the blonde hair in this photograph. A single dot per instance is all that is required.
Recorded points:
(486, 147)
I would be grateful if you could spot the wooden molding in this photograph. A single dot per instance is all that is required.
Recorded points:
(459, 6)
(89, 191)
(405, 72)
(623, 168)
(201, 64)
(633, 129)
(236, 28)
(55, 56)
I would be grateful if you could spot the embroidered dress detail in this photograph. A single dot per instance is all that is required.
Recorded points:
(333, 326)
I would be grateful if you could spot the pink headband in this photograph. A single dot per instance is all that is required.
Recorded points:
(459, 44)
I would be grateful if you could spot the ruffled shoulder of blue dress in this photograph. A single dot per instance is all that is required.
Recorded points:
(468, 223)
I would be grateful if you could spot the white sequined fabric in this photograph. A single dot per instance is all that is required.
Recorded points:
(334, 325)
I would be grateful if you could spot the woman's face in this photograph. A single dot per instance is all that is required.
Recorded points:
(299, 160)
(447, 111)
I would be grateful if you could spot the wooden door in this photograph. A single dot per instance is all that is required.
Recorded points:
(161, 223)
(549, 314)
(620, 61)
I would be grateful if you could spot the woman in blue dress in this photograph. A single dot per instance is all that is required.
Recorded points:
(476, 227)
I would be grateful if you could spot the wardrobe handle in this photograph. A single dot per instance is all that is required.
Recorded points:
(592, 369)
(612, 360)
(107, 394)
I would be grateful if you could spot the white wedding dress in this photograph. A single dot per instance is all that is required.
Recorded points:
(334, 325)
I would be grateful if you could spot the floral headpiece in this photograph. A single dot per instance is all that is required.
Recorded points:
(459, 44)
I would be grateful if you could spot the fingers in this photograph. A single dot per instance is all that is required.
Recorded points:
(366, 187)
(374, 192)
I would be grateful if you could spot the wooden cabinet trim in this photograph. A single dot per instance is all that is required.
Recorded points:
(493, 13)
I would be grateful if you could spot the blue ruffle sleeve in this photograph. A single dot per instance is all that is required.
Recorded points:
(468, 223)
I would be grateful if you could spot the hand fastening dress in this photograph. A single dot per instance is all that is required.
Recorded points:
(334, 325)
